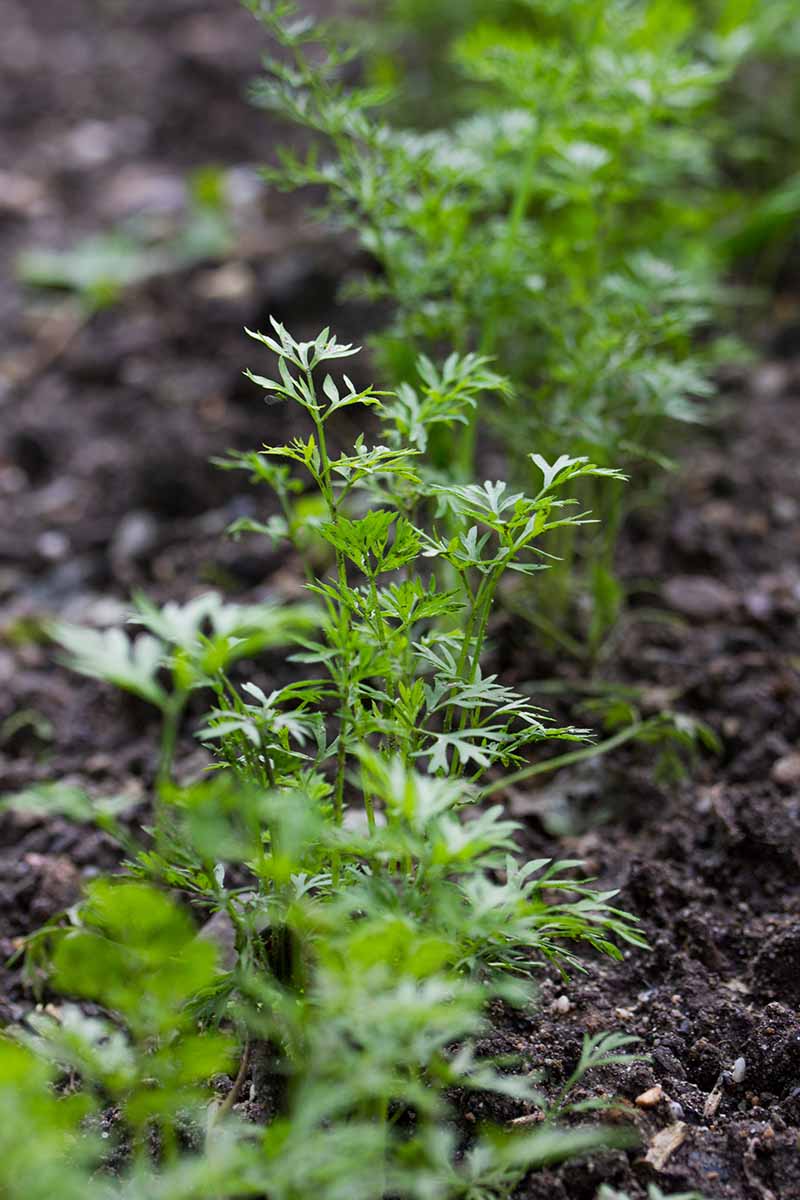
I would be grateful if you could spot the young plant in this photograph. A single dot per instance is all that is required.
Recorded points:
(362, 1057)
(549, 225)
(408, 607)
(400, 703)
(133, 950)
(369, 907)
(100, 268)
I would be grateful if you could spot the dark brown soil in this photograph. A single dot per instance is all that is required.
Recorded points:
(711, 864)
(105, 482)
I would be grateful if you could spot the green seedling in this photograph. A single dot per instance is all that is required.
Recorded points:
(371, 907)
(99, 269)
(557, 222)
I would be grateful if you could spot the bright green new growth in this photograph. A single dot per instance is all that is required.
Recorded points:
(554, 223)
(370, 908)
(403, 652)
(399, 705)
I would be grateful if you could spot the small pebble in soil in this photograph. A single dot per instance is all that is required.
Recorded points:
(739, 1069)
(135, 536)
(699, 597)
(52, 545)
(562, 1005)
(651, 1097)
(786, 770)
(232, 282)
(785, 510)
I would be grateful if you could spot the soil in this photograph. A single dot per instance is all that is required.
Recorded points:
(107, 424)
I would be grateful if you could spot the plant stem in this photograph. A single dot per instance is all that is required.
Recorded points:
(565, 760)
(169, 737)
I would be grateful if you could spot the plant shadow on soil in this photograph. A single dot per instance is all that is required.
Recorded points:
(107, 487)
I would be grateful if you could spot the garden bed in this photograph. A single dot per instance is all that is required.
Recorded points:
(107, 487)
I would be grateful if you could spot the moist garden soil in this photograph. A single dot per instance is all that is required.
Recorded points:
(107, 424)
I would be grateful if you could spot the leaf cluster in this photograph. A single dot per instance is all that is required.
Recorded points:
(371, 905)
(556, 216)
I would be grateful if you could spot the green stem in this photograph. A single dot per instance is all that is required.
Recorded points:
(485, 598)
(519, 204)
(343, 687)
(169, 737)
(465, 644)
(369, 806)
(565, 760)
(489, 586)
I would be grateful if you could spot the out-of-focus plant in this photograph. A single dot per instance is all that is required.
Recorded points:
(99, 268)
(553, 223)
(759, 147)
